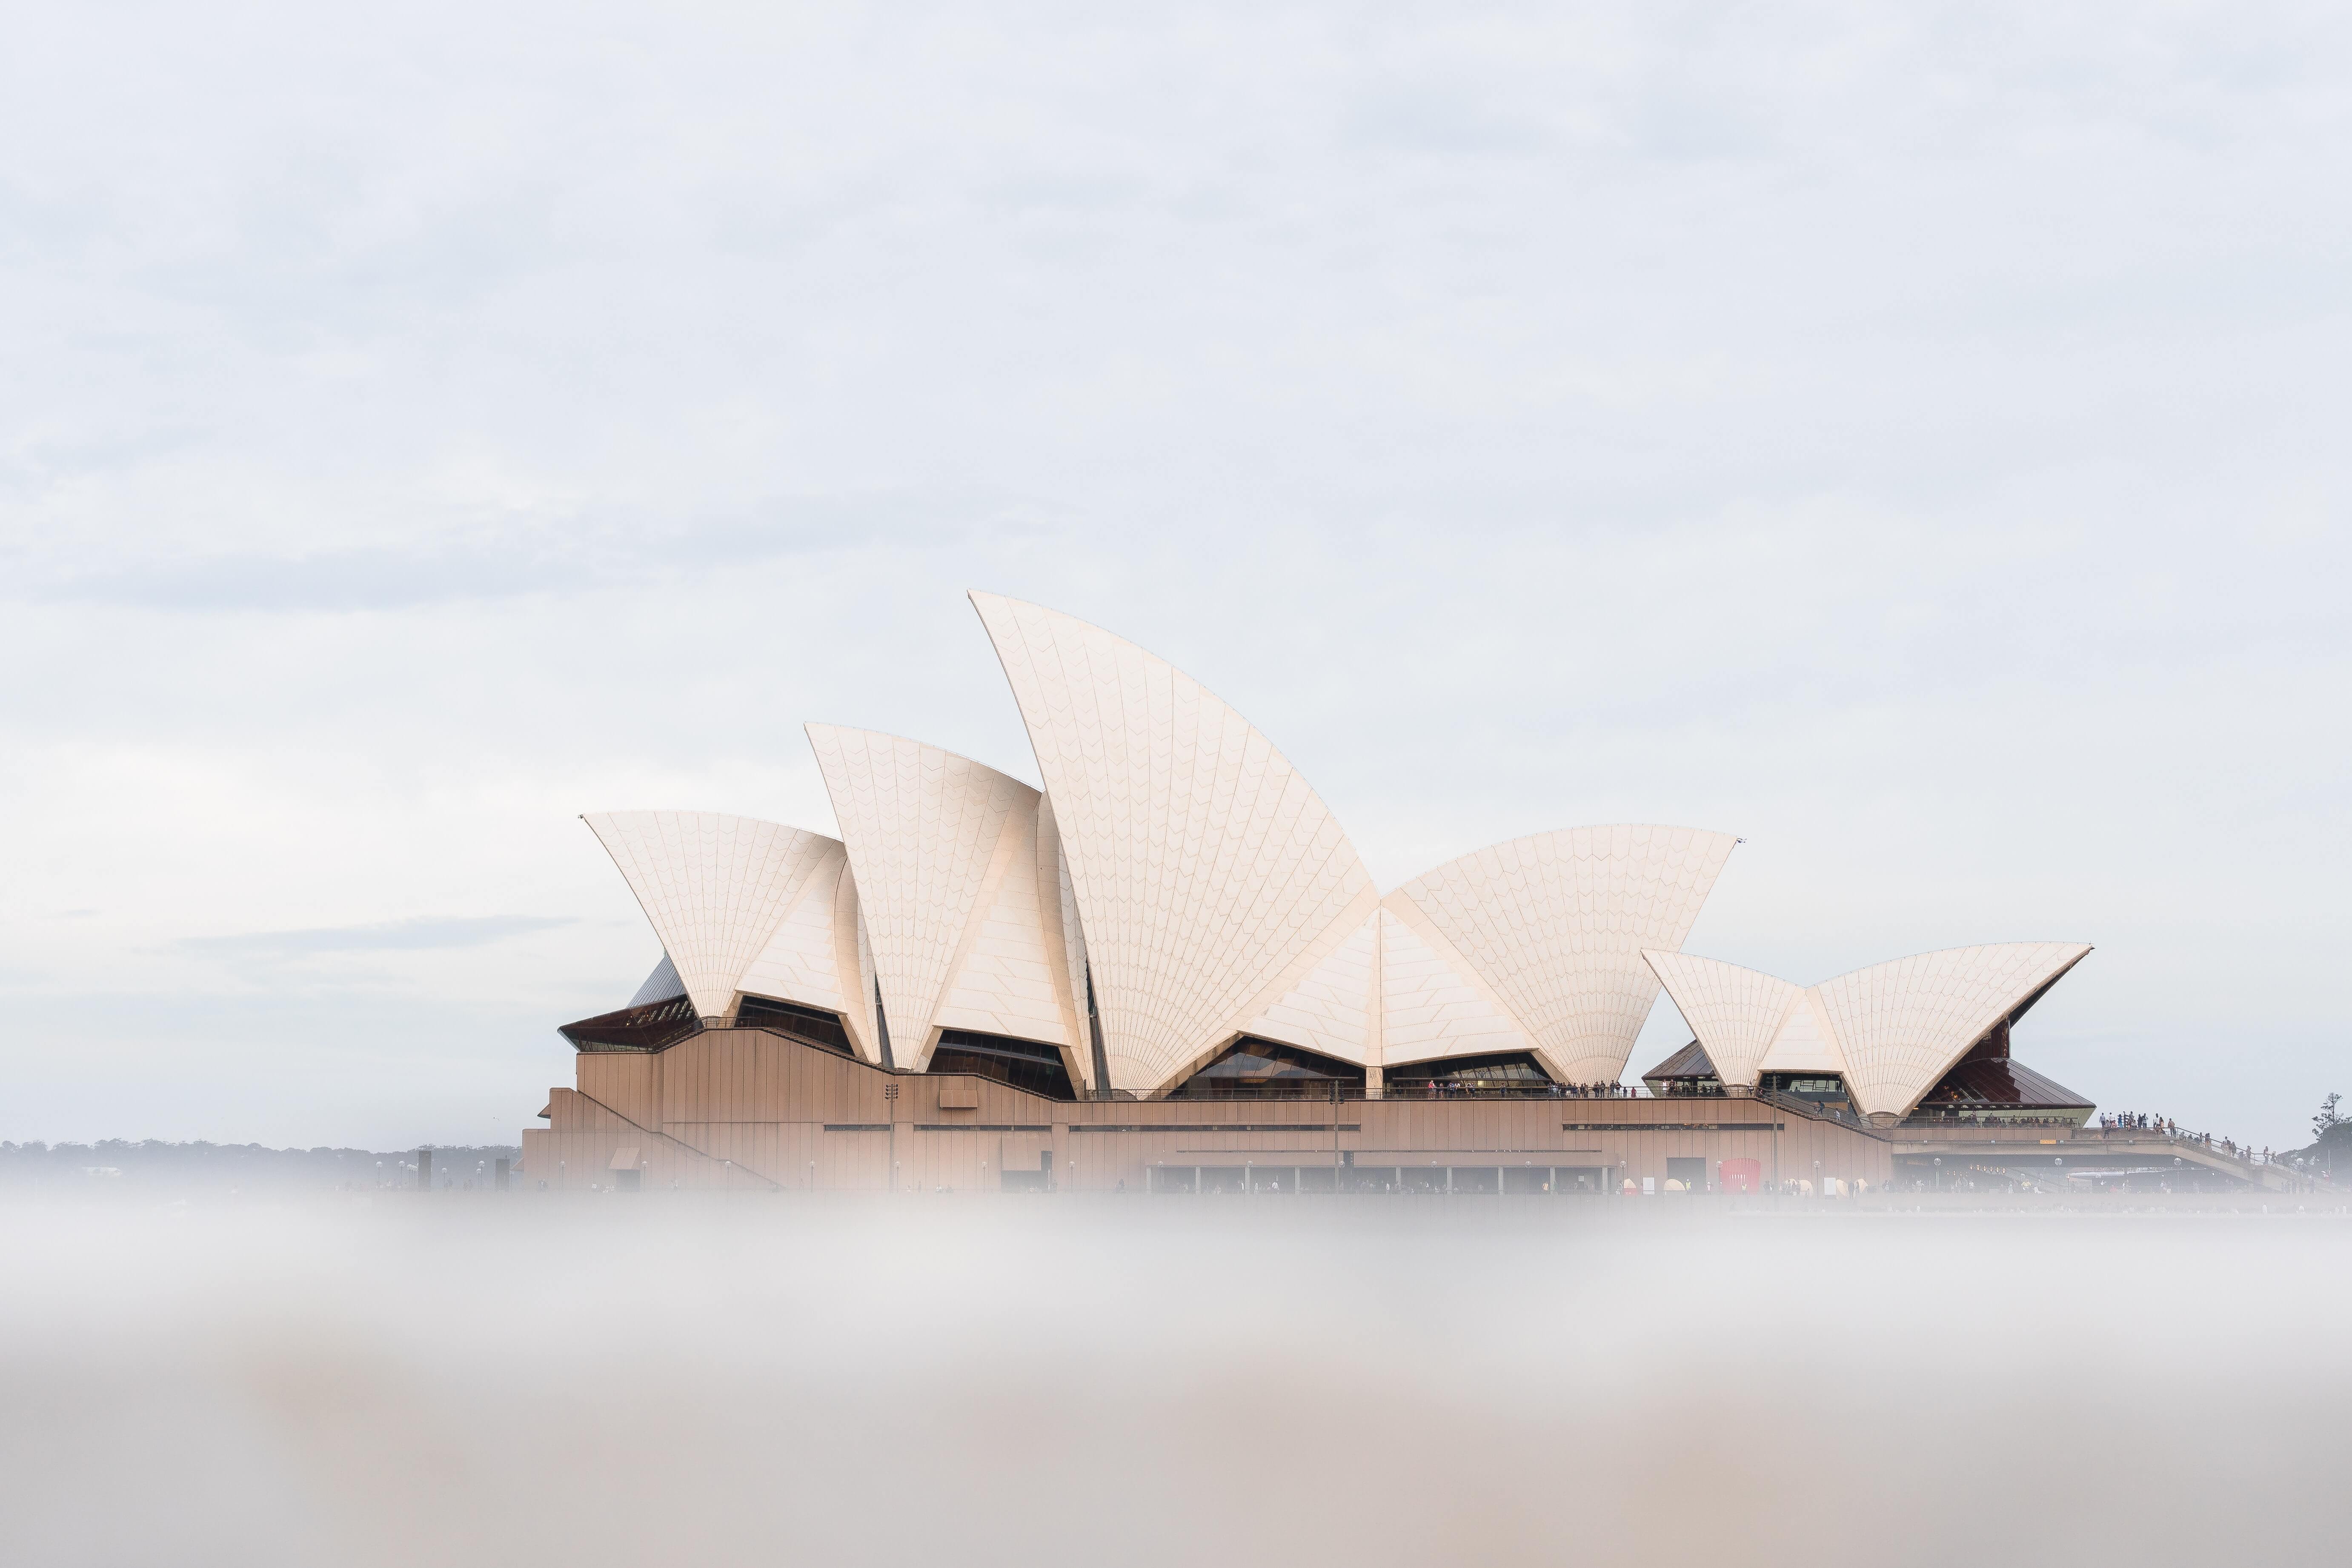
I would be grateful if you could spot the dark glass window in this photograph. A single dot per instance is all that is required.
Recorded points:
(647, 1028)
(1024, 1064)
(813, 1025)
(1821, 1089)
(1262, 1067)
(1504, 1072)
(1687, 1071)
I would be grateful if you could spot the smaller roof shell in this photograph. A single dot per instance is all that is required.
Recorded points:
(1556, 924)
(1892, 1029)
(714, 887)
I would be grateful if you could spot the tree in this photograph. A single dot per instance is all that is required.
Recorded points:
(2327, 1119)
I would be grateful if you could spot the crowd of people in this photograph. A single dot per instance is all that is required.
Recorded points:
(1517, 1087)
(2141, 1121)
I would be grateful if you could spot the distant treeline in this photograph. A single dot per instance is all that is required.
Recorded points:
(155, 1163)
(2332, 1149)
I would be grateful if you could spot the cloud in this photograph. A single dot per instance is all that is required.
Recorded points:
(1916, 448)
(496, 564)
(391, 936)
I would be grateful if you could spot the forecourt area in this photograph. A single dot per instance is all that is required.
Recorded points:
(1169, 972)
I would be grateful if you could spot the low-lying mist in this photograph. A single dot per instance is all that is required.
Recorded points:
(418, 1380)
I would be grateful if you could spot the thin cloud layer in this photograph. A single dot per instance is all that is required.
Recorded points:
(392, 936)
(1911, 442)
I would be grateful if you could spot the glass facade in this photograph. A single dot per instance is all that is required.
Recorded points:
(1024, 1064)
(1826, 1089)
(1262, 1067)
(1503, 1072)
(813, 1025)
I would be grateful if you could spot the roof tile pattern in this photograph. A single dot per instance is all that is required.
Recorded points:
(714, 887)
(922, 828)
(1804, 1043)
(1058, 907)
(1735, 1013)
(1201, 864)
(1557, 924)
(1902, 1024)
(1429, 1007)
(802, 961)
(1005, 983)
(1330, 1009)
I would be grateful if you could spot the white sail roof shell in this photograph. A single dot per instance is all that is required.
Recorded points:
(813, 955)
(1433, 1004)
(1737, 1015)
(1891, 1030)
(1332, 1007)
(1555, 925)
(1203, 868)
(1903, 1025)
(713, 886)
(952, 890)
(1804, 1043)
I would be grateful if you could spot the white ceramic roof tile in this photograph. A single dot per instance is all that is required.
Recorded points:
(1006, 982)
(1902, 1024)
(927, 840)
(1804, 1043)
(849, 930)
(1429, 1005)
(802, 961)
(1058, 908)
(714, 887)
(1330, 1008)
(1737, 1014)
(1202, 865)
(1556, 923)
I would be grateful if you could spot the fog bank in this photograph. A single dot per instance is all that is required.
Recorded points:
(407, 1381)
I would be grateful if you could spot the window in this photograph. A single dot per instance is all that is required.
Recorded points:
(1024, 1064)
(1262, 1067)
(813, 1025)
(1504, 1072)
(1821, 1089)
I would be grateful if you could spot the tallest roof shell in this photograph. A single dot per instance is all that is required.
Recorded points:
(1203, 868)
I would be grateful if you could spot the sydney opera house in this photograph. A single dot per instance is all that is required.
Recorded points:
(1168, 972)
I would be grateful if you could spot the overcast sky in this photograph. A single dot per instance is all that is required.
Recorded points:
(1913, 438)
